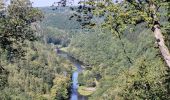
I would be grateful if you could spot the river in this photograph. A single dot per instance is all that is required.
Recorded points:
(74, 93)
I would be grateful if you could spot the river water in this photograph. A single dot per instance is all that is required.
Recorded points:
(74, 93)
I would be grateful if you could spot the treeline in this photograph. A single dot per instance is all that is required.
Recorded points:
(123, 58)
(127, 56)
(40, 75)
(112, 74)
(29, 68)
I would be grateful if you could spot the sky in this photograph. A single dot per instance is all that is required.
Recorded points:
(44, 3)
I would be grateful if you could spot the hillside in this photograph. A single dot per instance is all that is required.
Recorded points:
(120, 71)
(99, 50)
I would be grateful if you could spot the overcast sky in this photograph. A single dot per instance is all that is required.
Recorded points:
(44, 3)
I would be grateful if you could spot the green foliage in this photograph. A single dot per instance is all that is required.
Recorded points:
(110, 68)
(3, 77)
(34, 77)
(59, 90)
(146, 81)
(15, 29)
(84, 42)
(59, 19)
(146, 77)
(57, 28)
(41, 75)
(15, 26)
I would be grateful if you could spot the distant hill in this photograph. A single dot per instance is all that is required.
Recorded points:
(59, 18)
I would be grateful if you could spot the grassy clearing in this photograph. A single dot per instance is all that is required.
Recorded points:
(65, 49)
(86, 91)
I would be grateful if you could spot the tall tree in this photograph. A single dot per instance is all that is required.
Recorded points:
(119, 14)
(16, 26)
(15, 29)
(149, 11)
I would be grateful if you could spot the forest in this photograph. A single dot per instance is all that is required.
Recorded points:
(95, 50)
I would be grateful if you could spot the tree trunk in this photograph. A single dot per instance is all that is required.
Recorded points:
(158, 34)
(161, 43)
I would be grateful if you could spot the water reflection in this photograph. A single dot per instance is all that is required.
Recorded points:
(74, 93)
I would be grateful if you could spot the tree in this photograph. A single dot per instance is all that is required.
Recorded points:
(119, 15)
(148, 10)
(15, 29)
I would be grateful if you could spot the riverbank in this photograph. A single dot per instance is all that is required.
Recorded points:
(86, 91)
(75, 72)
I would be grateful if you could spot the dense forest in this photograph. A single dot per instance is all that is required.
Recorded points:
(122, 47)
(29, 68)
